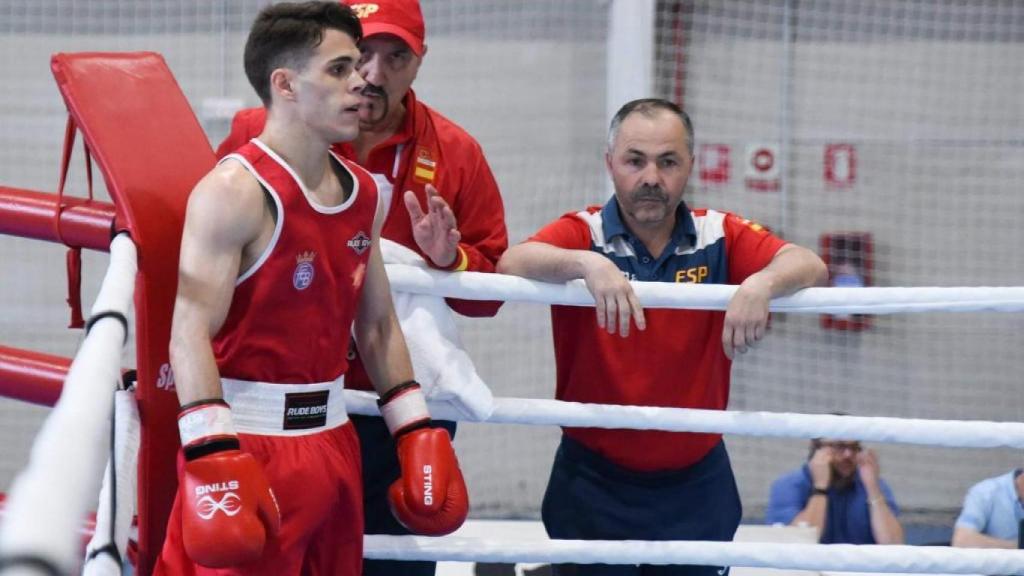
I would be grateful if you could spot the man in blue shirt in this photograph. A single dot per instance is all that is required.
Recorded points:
(839, 492)
(992, 513)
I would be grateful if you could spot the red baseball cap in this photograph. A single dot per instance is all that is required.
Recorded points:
(402, 18)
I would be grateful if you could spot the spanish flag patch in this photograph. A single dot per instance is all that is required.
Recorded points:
(425, 168)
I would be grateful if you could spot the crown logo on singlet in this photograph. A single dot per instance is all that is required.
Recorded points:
(304, 271)
(359, 243)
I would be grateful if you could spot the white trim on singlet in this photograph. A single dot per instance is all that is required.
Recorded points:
(305, 191)
(278, 225)
(379, 180)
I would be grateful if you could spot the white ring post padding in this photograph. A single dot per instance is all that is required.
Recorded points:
(50, 497)
(949, 433)
(483, 286)
(834, 557)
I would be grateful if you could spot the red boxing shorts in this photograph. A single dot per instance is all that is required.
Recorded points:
(316, 477)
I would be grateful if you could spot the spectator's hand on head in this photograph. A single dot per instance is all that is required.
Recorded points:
(436, 230)
(820, 466)
(746, 317)
(867, 467)
(614, 299)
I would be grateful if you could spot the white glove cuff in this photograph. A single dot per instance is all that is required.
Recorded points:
(404, 410)
(205, 420)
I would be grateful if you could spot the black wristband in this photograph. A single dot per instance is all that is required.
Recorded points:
(428, 423)
(819, 492)
(396, 391)
(212, 446)
(203, 402)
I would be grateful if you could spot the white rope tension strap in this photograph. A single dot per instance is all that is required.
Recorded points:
(836, 557)
(481, 286)
(949, 433)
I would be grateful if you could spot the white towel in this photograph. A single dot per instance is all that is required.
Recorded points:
(442, 367)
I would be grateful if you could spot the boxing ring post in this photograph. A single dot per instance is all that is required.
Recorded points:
(151, 150)
(149, 146)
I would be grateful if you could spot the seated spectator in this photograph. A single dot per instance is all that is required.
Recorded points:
(992, 513)
(838, 491)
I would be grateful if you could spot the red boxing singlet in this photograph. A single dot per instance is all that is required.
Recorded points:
(291, 315)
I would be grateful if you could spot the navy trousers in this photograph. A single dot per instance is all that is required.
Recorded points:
(590, 498)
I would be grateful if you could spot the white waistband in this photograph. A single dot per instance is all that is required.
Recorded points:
(285, 409)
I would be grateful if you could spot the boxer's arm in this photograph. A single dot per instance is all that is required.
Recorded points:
(377, 332)
(430, 496)
(224, 215)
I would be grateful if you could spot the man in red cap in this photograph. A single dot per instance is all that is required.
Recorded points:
(441, 200)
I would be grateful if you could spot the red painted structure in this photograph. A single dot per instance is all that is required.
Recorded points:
(143, 136)
(31, 214)
(32, 376)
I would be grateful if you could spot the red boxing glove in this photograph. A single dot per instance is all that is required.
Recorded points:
(430, 497)
(228, 508)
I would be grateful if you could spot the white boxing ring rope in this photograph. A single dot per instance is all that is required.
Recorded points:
(870, 558)
(838, 557)
(481, 286)
(33, 494)
(947, 433)
(50, 498)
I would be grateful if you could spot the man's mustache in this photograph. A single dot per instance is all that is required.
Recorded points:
(374, 91)
(650, 192)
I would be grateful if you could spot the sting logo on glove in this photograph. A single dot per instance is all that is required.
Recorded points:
(428, 486)
(230, 504)
(218, 487)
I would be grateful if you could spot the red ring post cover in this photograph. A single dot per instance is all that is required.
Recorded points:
(151, 151)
